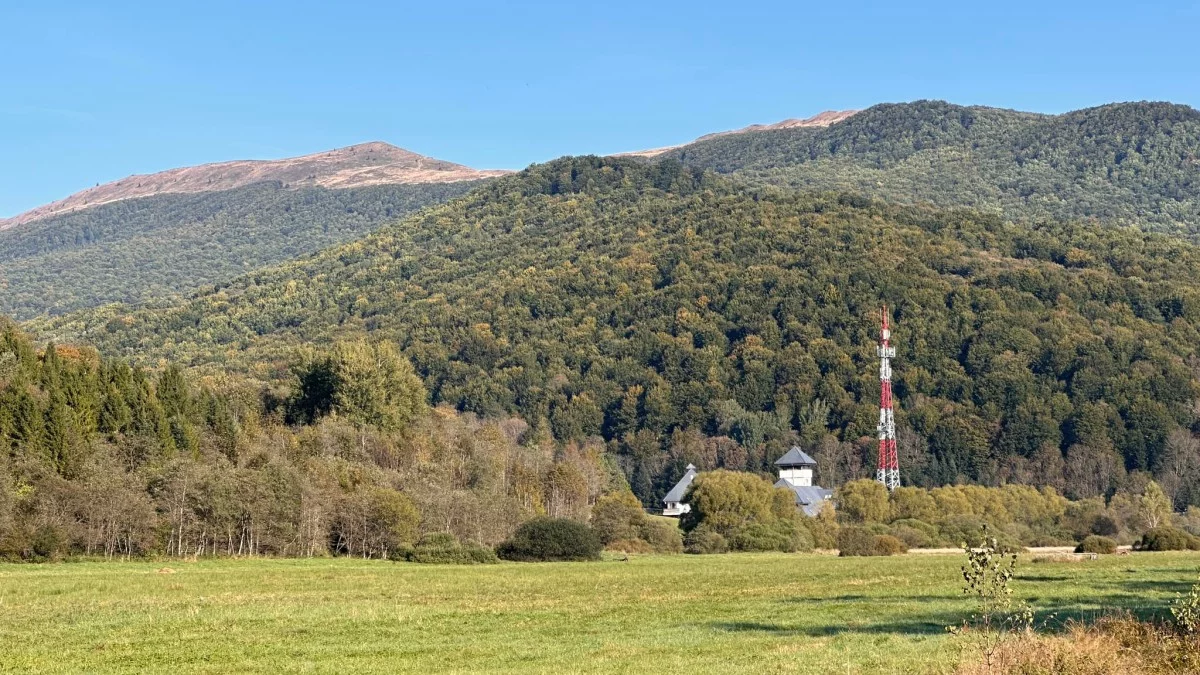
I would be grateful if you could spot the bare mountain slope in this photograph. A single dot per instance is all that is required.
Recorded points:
(355, 166)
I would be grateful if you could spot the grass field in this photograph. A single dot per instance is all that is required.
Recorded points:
(669, 614)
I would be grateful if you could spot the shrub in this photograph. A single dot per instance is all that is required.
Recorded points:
(548, 539)
(630, 546)
(621, 525)
(443, 548)
(1049, 539)
(965, 530)
(1096, 544)
(886, 544)
(877, 528)
(911, 536)
(1105, 526)
(863, 501)
(759, 537)
(924, 527)
(705, 540)
(859, 541)
(617, 516)
(1167, 538)
(823, 527)
(662, 537)
(48, 543)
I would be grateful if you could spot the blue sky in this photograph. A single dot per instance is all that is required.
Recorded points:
(90, 94)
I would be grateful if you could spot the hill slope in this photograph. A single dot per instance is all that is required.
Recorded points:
(149, 237)
(1129, 163)
(819, 120)
(635, 301)
(354, 166)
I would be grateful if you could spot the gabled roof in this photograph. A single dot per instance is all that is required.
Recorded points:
(808, 497)
(677, 492)
(795, 457)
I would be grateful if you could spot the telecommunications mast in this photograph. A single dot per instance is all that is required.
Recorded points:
(889, 466)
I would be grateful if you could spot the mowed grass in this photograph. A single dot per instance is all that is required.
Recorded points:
(656, 614)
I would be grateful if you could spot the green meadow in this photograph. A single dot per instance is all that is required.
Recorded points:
(654, 614)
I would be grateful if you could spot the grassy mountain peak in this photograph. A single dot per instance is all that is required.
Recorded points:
(361, 165)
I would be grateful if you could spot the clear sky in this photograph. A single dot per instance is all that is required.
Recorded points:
(90, 94)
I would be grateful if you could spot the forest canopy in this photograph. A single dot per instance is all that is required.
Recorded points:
(153, 248)
(1123, 163)
(664, 309)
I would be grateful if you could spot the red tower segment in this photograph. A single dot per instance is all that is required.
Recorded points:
(888, 472)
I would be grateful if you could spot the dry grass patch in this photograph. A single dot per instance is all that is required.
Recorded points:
(1119, 645)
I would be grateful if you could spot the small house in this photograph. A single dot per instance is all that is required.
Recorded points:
(673, 503)
(796, 474)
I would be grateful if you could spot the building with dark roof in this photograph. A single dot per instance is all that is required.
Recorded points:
(673, 504)
(796, 474)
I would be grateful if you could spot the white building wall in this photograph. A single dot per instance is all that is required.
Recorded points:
(797, 476)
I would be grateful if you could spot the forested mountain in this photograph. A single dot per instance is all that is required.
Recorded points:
(1128, 163)
(138, 250)
(657, 306)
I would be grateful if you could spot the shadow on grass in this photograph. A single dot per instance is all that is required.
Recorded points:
(755, 627)
(1050, 615)
(876, 600)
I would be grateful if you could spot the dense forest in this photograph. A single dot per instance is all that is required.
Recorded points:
(101, 458)
(1126, 163)
(158, 247)
(675, 315)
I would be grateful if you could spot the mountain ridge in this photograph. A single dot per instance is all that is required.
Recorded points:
(361, 165)
(822, 119)
(1125, 163)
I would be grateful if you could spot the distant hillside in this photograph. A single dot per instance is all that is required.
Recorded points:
(149, 237)
(1124, 163)
(639, 301)
(141, 250)
(354, 166)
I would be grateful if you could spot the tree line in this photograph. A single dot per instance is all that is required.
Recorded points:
(101, 458)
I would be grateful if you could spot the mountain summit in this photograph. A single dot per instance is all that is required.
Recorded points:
(355, 166)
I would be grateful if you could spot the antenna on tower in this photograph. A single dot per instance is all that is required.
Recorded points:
(888, 472)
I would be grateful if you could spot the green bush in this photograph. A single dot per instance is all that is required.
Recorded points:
(1167, 538)
(760, 537)
(1105, 526)
(886, 544)
(630, 546)
(860, 541)
(48, 544)
(971, 531)
(549, 539)
(617, 516)
(662, 537)
(925, 528)
(1096, 544)
(911, 536)
(705, 540)
(443, 548)
(1048, 539)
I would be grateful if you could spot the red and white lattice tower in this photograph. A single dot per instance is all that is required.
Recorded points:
(889, 465)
